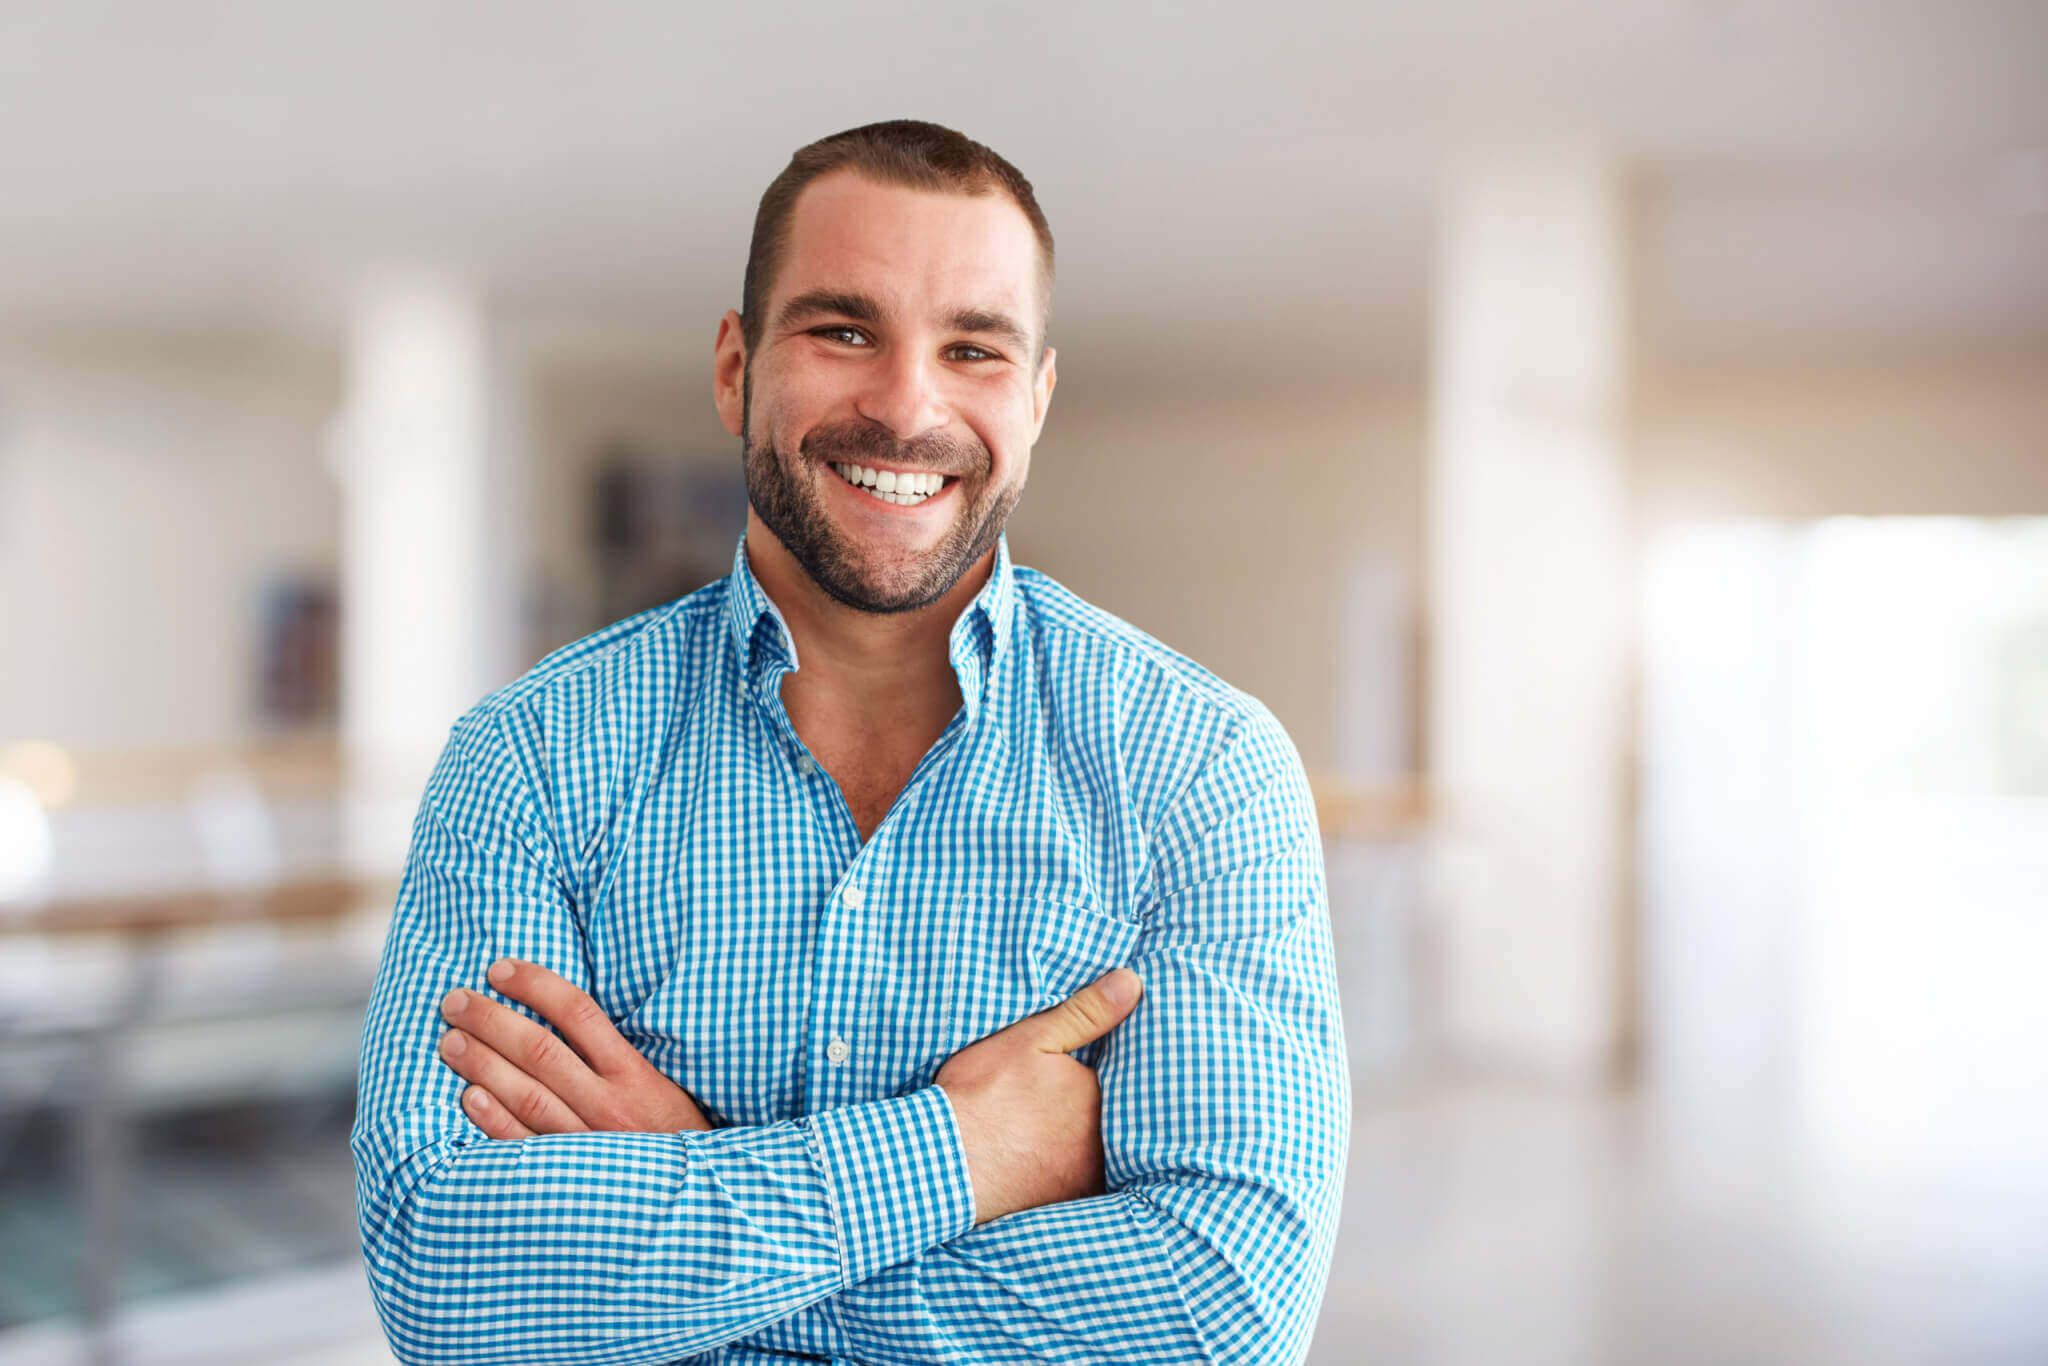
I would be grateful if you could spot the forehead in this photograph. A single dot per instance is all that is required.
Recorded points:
(922, 251)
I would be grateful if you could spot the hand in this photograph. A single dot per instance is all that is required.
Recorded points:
(1029, 1115)
(530, 1082)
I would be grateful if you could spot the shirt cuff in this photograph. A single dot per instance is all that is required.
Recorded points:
(896, 1174)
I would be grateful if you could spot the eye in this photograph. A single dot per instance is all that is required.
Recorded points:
(980, 352)
(852, 336)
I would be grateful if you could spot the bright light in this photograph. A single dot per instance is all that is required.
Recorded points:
(45, 769)
(24, 841)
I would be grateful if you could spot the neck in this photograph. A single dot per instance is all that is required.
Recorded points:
(869, 662)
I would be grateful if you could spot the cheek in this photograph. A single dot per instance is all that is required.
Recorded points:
(1007, 433)
(1019, 465)
(780, 424)
(787, 404)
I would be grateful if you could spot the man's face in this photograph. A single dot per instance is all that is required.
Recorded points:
(898, 338)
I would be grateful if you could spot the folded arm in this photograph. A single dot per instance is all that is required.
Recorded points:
(1225, 1110)
(594, 1247)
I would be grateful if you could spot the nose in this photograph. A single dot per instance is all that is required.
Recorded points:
(903, 395)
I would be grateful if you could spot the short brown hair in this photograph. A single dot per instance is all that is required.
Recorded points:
(905, 152)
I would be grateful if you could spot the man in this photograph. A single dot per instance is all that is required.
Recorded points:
(987, 934)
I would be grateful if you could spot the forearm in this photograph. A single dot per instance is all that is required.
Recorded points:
(611, 1247)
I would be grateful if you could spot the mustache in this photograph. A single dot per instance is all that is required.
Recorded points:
(866, 443)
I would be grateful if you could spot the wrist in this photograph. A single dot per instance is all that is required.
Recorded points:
(958, 1111)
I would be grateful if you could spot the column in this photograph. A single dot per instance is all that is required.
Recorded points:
(1530, 563)
(429, 448)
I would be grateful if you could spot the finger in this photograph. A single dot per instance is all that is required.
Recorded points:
(581, 1020)
(490, 1116)
(528, 1046)
(515, 1091)
(1088, 1014)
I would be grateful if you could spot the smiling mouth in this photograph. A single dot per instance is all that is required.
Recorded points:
(904, 488)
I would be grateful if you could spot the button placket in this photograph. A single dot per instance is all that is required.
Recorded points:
(843, 931)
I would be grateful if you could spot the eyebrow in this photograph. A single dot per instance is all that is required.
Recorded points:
(987, 322)
(858, 307)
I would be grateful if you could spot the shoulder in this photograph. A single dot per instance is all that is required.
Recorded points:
(596, 698)
(631, 657)
(1174, 720)
(1069, 632)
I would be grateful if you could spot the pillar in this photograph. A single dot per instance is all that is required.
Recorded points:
(1530, 564)
(429, 449)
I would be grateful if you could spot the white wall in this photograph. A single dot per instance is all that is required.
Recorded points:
(148, 487)
(1961, 434)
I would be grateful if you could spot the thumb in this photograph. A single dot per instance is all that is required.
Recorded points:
(1089, 1013)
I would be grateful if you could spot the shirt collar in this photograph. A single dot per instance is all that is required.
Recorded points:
(765, 649)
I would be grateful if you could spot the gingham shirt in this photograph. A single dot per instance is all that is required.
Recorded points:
(638, 814)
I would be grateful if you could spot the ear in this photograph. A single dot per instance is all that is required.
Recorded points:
(1041, 391)
(729, 371)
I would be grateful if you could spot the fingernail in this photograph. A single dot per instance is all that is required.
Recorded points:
(1120, 988)
(454, 1001)
(473, 1098)
(451, 1043)
(501, 971)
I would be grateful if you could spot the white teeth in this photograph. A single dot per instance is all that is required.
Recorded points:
(904, 489)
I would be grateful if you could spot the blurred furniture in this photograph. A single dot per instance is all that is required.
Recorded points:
(104, 1062)
(192, 950)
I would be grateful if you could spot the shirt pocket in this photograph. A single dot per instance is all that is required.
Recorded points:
(1015, 957)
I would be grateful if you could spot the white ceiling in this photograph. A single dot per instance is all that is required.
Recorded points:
(1231, 185)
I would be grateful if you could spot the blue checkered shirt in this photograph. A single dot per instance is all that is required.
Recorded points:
(638, 814)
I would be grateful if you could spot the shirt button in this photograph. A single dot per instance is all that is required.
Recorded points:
(852, 896)
(839, 1050)
(806, 765)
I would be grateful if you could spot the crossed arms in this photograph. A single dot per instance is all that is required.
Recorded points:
(850, 1232)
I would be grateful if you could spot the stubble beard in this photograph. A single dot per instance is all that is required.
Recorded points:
(791, 507)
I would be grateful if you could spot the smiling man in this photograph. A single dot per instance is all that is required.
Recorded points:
(880, 954)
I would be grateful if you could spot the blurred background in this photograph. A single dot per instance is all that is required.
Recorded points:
(1611, 435)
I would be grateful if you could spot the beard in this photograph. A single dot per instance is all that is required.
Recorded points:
(791, 505)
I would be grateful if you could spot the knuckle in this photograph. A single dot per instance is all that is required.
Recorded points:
(542, 1052)
(584, 1013)
(531, 1106)
(1087, 1010)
